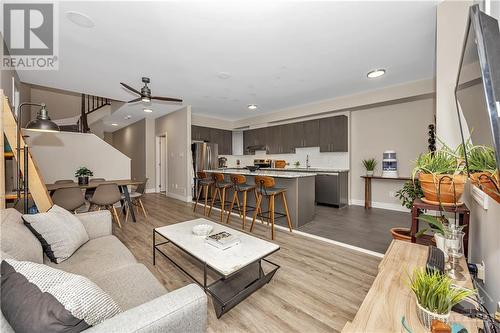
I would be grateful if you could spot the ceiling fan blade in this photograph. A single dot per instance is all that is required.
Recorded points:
(135, 100)
(168, 99)
(130, 88)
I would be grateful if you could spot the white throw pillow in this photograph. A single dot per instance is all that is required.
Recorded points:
(60, 232)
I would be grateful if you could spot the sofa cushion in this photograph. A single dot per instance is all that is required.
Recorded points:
(96, 257)
(17, 241)
(130, 285)
(38, 298)
(60, 232)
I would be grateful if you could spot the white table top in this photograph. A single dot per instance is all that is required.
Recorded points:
(272, 173)
(226, 261)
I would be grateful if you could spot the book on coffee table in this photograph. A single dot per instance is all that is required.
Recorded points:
(223, 240)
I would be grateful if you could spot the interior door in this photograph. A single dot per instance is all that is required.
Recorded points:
(163, 164)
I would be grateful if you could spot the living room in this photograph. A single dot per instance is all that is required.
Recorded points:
(304, 153)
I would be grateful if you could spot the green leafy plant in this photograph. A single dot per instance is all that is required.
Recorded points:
(440, 162)
(297, 164)
(83, 172)
(369, 164)
(481, 159)
(436, 223)
(410, 191)
(434, 291)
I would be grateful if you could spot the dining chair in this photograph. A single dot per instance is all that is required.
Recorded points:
(90, 191)
(135, 199)
(69, 198)
(65, 181)
(107, 195)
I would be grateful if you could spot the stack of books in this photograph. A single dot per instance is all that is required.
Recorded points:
(223, 240)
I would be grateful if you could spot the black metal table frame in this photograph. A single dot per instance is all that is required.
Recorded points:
(220, 305)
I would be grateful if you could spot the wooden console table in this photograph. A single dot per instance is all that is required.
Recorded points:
(419, 206)
(368, 187)
(389, 298)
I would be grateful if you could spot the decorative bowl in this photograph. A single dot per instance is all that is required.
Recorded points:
(202, 229)
(252, 168)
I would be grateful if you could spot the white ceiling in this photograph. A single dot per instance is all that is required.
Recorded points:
(278, 54)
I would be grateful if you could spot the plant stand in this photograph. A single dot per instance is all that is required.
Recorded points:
(419, 206)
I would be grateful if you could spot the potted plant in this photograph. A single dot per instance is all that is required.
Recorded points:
(435, 295)
(410, 191)
(441, 177)
(437, 224)
(297, 164)
(369, 165)
(83, 174)
(483, 169)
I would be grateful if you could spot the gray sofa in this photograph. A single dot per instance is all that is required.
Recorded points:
(147, 306)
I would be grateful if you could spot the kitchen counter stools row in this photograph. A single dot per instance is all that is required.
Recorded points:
(264, 187)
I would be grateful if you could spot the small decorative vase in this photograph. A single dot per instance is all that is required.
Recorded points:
(426, 317)
(440, 242)
(369, 173)
(83, 180)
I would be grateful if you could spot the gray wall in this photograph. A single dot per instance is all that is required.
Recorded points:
(131, 141)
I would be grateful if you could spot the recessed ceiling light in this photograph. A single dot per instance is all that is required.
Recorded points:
(252, 106)
(114, 124)
(375, 73)
(223, 75)
(80, 19)
(148, 110)
(128, 116)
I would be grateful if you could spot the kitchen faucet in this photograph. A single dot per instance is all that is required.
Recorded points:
(307, 162)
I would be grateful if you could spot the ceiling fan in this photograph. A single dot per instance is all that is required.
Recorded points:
(145, 93)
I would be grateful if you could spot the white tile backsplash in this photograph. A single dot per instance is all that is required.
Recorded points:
(316, 159)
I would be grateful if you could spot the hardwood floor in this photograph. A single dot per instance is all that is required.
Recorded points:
(355, 225)
(318, 288)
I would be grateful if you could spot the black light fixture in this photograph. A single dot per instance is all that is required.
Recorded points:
(42, 123)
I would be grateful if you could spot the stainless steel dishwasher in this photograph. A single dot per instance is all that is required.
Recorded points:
(331, 189)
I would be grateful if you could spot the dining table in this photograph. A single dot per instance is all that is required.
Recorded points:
(123, 185)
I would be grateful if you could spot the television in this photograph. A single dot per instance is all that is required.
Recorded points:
(477, 92)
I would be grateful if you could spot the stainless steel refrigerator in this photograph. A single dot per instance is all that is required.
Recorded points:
(205, 157)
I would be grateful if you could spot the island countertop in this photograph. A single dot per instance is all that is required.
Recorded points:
(271, 173)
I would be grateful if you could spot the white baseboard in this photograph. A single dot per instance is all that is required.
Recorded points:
(179, 197)
(151, 190)
(382, 205)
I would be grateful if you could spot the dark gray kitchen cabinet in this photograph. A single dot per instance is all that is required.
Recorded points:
(227, 143)
(200, 133)
(275, 139)
(333, 133)
(305, 134)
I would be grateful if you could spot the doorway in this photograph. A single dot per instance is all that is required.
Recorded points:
(161, 165)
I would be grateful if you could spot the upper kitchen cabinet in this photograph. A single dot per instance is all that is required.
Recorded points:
(305, 134)
(255, 139)
(227, 142)
(200, 133)
(333, 133)
(275, 139)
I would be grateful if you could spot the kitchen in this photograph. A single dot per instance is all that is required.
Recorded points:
(310, 158)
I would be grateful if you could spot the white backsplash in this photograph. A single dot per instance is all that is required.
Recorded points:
(316, 159)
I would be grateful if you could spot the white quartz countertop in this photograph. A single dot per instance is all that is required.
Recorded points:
(272, 173)
(312, 169)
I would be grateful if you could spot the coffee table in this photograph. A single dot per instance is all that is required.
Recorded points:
(238, 269)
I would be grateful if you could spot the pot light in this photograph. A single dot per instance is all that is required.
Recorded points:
(114, 124)
(80, 19)
(375, 73)
(148, 110)
(252, 106)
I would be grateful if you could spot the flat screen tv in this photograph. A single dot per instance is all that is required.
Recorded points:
(477, 89)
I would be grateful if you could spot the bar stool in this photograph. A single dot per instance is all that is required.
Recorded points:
(204, 183)
(220, 188)
(240, 186)
(267, 187)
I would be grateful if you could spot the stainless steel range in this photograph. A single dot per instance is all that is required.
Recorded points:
(262, 163)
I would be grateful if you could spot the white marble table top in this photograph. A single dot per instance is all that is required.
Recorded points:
(271, 173)
(226, 261)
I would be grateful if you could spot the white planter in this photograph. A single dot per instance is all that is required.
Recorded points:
(426, 317)
(440, 242)
(369, 173)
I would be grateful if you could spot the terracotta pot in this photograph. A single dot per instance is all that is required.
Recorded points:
(401, 234)
(430, 183)
(486, 184)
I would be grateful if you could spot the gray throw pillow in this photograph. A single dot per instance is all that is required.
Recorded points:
(38, 298)
(60, 232)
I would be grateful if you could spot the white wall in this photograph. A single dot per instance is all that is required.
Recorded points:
(177, 125)
(58, 155)
(484, 234)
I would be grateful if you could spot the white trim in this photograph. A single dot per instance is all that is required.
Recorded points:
(179, 197)
(151, 190)
(381, 205)
(327, 240)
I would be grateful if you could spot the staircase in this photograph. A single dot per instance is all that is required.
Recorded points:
(89, 104)
(36, 184)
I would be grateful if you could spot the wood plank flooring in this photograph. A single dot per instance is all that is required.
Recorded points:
(318, 288)
(355, 225)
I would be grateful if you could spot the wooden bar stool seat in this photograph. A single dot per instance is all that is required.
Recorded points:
(267, 187)
(240, 186)
(204, 183)
(221, 186)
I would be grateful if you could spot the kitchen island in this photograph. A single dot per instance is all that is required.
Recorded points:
(300, 188)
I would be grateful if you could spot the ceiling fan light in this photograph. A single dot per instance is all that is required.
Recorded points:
(146, 99)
